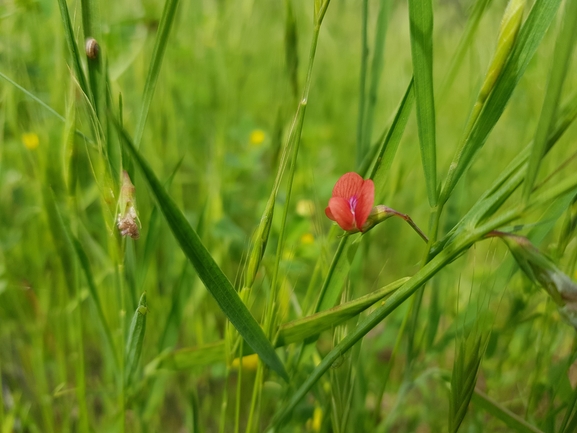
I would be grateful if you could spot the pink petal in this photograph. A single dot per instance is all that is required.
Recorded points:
(340, 209)
(348, 185)
(329, 214)
(365, 203)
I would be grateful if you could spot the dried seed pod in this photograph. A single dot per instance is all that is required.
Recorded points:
(128, 217)
(92, 48)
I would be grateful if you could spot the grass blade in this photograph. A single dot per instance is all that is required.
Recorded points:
(86, 269)
(157, 55)
(73, 48)
(421, 20)
(528, 40)
(512, 421)
(400, 296)
(211, 275)
(135, 338)
(478, 10)
(385, 155)
(376, 73)
(305, 329)
(563, 49)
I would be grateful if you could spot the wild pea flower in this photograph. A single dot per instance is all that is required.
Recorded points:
(351, 206)
(351, 202)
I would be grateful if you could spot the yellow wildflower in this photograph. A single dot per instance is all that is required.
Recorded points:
(305, 207)
(30, 140)
(249, 362)
(307, 239)
(257, 137)
(315, 423)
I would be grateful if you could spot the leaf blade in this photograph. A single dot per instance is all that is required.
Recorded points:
(208, 271)
(421, 25)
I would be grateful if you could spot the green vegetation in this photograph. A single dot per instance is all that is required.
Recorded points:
(165, 259)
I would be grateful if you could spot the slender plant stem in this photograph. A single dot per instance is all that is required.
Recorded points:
(238, 391)
(362, 81)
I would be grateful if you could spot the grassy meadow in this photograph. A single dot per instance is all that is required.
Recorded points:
(212, 133)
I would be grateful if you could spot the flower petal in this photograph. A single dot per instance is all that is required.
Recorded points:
(340, 209)
(329, 214)
(348, 185)
(364, 203)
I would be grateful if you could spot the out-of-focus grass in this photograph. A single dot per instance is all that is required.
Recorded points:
(223, 106)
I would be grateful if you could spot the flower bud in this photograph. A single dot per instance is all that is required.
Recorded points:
(127, 218)
(377, 215)
(541, 270)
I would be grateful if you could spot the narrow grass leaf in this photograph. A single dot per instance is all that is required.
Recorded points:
(135, 338)
(401, 295)
(563, 49)
(73, 48)
(388, 147)
(42, 104)
(514, 422)
(86, 268)
(291, 48)
(211, 275)
(376, 73)
(470, 351)
(166, 22)
(529, 38)
(511, 178)
(362, 79)
(471, 27)
(421, 25)
(305, 329)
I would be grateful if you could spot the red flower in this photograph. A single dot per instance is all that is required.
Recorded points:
(351, 202)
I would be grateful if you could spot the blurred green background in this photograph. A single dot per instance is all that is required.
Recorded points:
(222, 107)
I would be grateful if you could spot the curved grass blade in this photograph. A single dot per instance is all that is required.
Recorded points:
(157, 54)
(563, 49)
(73, 48)
(208, 271)
(42, 104)
(376, 73)
(401, 295)
(421, 24)
(85, 265)
(305, 329)
(477, 13)
(514, 422)
(510, 179)
(311, 326)
(528, 39)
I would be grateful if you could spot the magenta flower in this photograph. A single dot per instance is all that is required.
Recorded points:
(351, 202)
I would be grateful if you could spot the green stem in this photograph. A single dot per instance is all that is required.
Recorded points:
(340, 249)
(255, 396)
(79, 364)
(238, 390)
(122, 314)
(362, 82)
